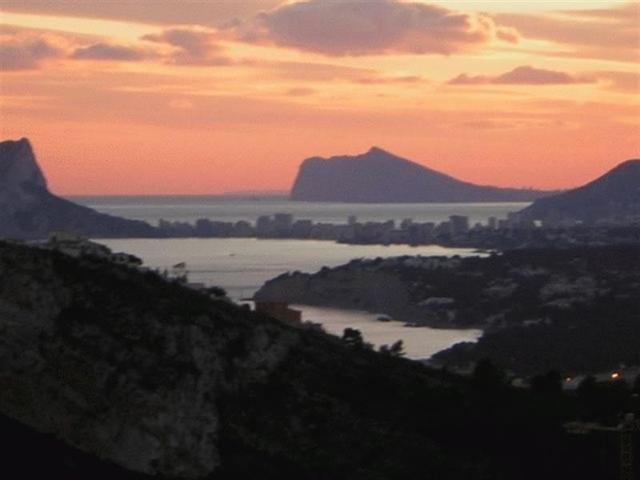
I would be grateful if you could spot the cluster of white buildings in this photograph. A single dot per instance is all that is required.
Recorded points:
(79, 246)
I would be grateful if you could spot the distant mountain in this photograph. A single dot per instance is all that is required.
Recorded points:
(381, 177)
(29, 210)
(259, 194)
(613, 196)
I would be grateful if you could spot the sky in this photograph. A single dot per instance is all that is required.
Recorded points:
(214, 96)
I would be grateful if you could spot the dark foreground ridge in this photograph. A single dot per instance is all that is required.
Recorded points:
(28, 210)
(378, 176)
(128, 375)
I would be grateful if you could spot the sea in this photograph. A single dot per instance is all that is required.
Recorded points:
(233, 208)
(242, 265)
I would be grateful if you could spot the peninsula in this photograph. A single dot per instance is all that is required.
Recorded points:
(531, 303)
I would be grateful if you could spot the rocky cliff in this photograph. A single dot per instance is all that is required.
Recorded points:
(615, 196)
(378, 176)
(29, 210)
(163, 381)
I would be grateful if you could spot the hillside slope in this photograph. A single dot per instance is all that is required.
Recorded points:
(531, 303)
(148, 375)
(613, 196)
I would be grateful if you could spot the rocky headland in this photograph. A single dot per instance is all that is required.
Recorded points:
(28, 210)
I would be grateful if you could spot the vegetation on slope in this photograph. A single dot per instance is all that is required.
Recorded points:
(285, 403)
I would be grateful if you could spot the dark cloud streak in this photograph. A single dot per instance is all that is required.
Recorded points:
(162, 12)
(26, 53)
(524, 75)
(193, 47)
(106, 51)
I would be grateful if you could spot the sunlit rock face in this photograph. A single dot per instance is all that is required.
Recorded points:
(29, 210)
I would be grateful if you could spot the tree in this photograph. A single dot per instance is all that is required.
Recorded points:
(216, 291)
(487, 375)
(587, 387)
(395, 350)
(352, 337)
(549, 383)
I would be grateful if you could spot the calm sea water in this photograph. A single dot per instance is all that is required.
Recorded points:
(191, 208)
(419, 343)
(242, 265)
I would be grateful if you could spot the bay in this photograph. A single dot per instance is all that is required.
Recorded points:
(242, 265)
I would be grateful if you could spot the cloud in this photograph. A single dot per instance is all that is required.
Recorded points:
(27, 49)
(327, 72)
(621, 82)
(191, 46)
(26, 53)
(382, 80)
(524, 75)
(626, 13)
(508, 34)
(181, 104)
(369, 27)
(300, 92)
(314, 72)
(106, 51)
(609, 34)
(163, 12)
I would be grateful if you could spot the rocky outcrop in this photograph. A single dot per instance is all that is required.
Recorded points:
(29, 210)
(615, 196)
(19, 170)
(133, 383)
(379, 176)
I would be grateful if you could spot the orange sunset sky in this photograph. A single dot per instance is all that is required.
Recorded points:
(197, 97)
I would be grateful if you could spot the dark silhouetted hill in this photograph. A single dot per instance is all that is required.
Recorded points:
(115, 366)
(378, 176)
(28, 210)
(615, 195)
